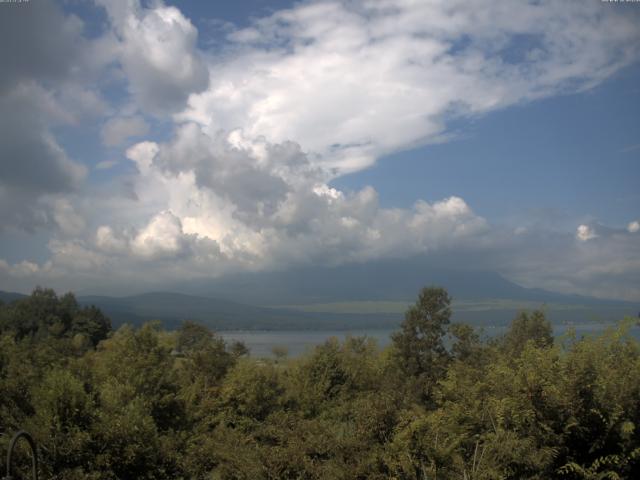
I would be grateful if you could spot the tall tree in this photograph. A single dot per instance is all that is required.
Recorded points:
(419, 346)
(526, 327)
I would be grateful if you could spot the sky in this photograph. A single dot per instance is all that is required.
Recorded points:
(143, 144)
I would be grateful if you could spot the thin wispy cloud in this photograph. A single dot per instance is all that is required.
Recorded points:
(631, 148)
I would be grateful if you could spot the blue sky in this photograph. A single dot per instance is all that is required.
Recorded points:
(149, 143)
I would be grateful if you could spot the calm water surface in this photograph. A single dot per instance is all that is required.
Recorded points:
(297, 342)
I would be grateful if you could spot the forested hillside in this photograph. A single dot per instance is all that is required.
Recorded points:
(149, 403)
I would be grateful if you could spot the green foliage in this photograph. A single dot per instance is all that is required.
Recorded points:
(250, 392)
(419, 347)
(63, 417)
(44, 315)
(193, 337)
(150, 404)
(528, 327)
(466, 346)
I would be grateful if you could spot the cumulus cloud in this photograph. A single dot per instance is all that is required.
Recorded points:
(260, 205)
(163, 235)
(163, 250)
(633, 227)
(191, 215)
(54, 55)
(68, 220)
(157, 50)
(21, 269)
(30, 156)
(276, 196)
(32, 163)
(108, 242)
(45, 83)
(47, 51)
(585, 233)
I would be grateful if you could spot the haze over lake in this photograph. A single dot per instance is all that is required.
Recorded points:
(262, 343)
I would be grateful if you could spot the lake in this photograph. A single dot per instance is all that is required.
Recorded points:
(297, 342)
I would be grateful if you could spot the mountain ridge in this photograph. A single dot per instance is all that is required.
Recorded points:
(172, 308)
(395, 279)
(344, 297)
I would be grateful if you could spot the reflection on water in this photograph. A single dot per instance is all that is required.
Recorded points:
(297, 342)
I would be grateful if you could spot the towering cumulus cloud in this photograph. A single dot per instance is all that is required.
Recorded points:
(263, 202)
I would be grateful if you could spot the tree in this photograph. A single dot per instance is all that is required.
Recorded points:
(136, 359)
(467, 345)
(90, 321)
(528, 327)
(63, 417)
(204, 361)
(250, 392)
(45, 315)
(192, 337)
(419, 347)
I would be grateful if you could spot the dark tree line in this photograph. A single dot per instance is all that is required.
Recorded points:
(439, 403)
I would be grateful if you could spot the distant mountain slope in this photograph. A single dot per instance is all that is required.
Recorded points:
(356, 296)
(388, 280)
(8, 297)
(173, 308)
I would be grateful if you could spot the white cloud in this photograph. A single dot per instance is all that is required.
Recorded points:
(163, 251)
(66, 217)
(116, 131)
(351, 81)
(607, 266)
(25, 268)
(192, 217)
(585, 233)
(267, 202)
(158, 53)
(142, 155)
(107, 241)
(162, 236)
(633, 227)
(73, 258)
